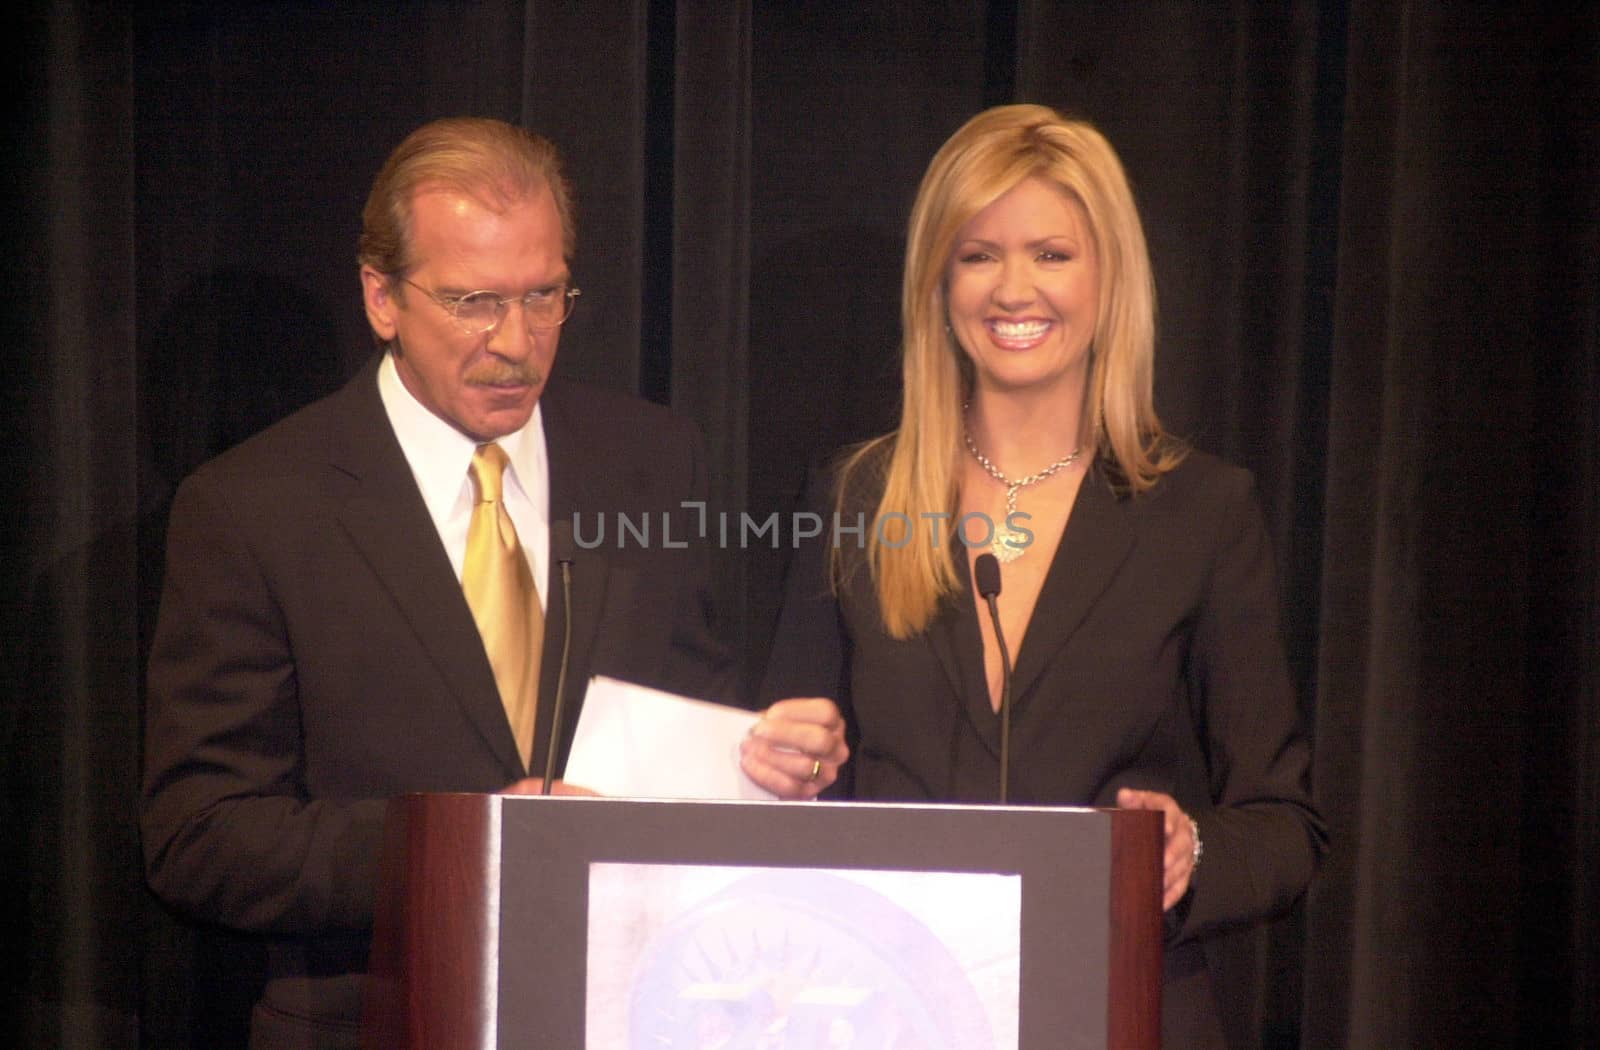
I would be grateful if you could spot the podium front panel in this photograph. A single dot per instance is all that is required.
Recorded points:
(615, 924)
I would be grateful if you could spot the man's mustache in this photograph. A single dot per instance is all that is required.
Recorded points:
(493, 371)
(504, 373)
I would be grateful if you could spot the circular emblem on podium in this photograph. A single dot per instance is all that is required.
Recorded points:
(785, 960)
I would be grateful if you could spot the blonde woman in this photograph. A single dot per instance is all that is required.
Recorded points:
(1138, 596)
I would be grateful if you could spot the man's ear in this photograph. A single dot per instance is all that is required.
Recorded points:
(378, 296)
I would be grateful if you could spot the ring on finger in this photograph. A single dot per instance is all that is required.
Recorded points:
(816, 769)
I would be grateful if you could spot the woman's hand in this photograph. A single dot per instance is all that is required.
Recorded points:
(1182, 853)
(796, 749)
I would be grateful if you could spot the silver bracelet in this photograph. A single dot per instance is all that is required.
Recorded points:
(1199, 847)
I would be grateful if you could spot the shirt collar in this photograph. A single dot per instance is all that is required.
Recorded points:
(439, 454)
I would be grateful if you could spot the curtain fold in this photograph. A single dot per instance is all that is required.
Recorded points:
(710, 273)
(70, 724)
(1448, 720)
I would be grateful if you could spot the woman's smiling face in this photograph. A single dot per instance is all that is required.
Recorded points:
(1023, 290)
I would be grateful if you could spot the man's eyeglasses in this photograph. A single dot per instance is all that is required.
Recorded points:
(479, 312)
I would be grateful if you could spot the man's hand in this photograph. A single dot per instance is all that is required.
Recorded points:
(796, 749)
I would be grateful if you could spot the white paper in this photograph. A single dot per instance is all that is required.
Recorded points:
(634, 742)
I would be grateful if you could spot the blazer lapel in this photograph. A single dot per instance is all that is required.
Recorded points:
(1098, 538)
(957, 643)
(572, 482)
(389, 523)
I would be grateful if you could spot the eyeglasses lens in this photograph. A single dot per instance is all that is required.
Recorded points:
(482, 311)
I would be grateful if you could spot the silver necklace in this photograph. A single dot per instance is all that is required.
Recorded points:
(1009, 544)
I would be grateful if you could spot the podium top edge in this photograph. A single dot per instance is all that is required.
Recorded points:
(962, 807)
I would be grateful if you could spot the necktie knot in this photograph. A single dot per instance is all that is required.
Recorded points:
(488, 469)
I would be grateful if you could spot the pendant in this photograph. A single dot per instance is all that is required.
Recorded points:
(1009, 544)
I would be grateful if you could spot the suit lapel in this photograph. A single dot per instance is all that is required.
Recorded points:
(388, 522)
(1098, 538)
(956, 641)
(573, 479)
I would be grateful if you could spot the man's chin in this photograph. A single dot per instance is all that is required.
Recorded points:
(500, 410)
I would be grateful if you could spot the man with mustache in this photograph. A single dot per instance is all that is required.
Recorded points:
(358, 600)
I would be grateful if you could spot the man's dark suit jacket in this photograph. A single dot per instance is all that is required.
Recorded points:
(314, 656)
(1152, 660)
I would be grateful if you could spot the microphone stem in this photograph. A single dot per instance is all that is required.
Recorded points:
(561, 678)
(1005, 700)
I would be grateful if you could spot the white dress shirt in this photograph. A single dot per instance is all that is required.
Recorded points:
(439, 456)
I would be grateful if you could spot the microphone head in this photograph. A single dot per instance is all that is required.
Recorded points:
(561, 545)
(986, 570)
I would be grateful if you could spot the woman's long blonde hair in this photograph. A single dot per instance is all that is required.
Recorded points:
(919, 463)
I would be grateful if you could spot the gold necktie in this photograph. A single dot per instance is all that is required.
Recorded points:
(500, 592)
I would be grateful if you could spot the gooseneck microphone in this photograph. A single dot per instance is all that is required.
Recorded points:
(561, 552)
(986, 570)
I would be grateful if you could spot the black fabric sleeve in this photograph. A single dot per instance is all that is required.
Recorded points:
(228, 835)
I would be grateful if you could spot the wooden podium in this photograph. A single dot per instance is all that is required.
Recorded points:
(500, 917)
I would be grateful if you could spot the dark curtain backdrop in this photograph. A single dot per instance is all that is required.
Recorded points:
(1375, 226)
